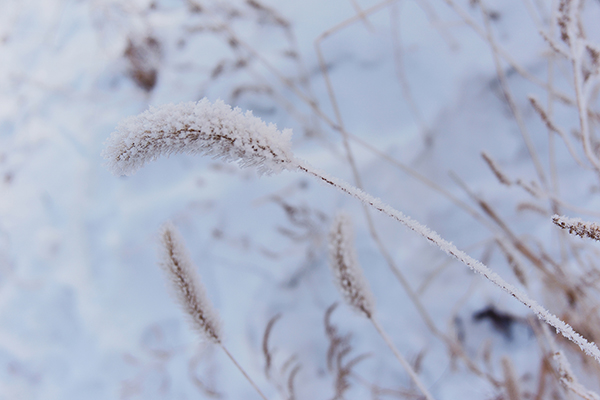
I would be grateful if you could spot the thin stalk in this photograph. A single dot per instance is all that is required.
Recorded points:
(509, 98)
(242, 371)
(566, 330)
(411, 372)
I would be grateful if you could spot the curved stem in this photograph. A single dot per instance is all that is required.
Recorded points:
(565, 329)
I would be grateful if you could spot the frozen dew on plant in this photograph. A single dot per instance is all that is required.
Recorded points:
(201, 127)
(218, 130)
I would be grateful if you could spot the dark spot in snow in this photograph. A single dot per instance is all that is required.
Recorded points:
(502, 322)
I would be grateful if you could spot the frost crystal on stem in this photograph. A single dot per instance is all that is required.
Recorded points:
(186, 285)
(346, 271)
(577, 226)
(198, 128)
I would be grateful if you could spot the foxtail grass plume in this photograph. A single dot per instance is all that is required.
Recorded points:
(346, 271)
(354, 288)
(186, 285)
(201, 127)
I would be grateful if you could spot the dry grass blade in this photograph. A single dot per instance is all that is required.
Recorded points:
(206, 389)
(265, 345)
(290, 383)
(513, 260)
(344, 370)
(339, 348)
(569, 380)
(511, 384)
(335, 340)
(501, 176)
(502, 80)
(552, 127)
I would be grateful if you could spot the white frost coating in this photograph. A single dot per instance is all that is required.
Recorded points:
(577, 226)
(568, 379)
(346, 271)
(562, 327)
(198, 128)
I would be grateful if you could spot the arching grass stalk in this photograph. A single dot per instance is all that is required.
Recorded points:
(218, 130)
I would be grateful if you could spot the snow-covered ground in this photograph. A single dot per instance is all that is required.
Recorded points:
(84, 309)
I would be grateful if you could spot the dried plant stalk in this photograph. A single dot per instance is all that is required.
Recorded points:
(511, 384)
(535, 103)
(190, 293)
(352, 285)
(265, 345)
(577, 226)
(501, 176)
(569, 380)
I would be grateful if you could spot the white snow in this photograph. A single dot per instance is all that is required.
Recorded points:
(84, 309)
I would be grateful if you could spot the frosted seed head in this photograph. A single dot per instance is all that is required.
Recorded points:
(346, 271)
(186, 285)
(201, 127)
(577, 226)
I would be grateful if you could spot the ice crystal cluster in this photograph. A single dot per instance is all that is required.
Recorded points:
(346, 270)
(201, 127)
(186, 285)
